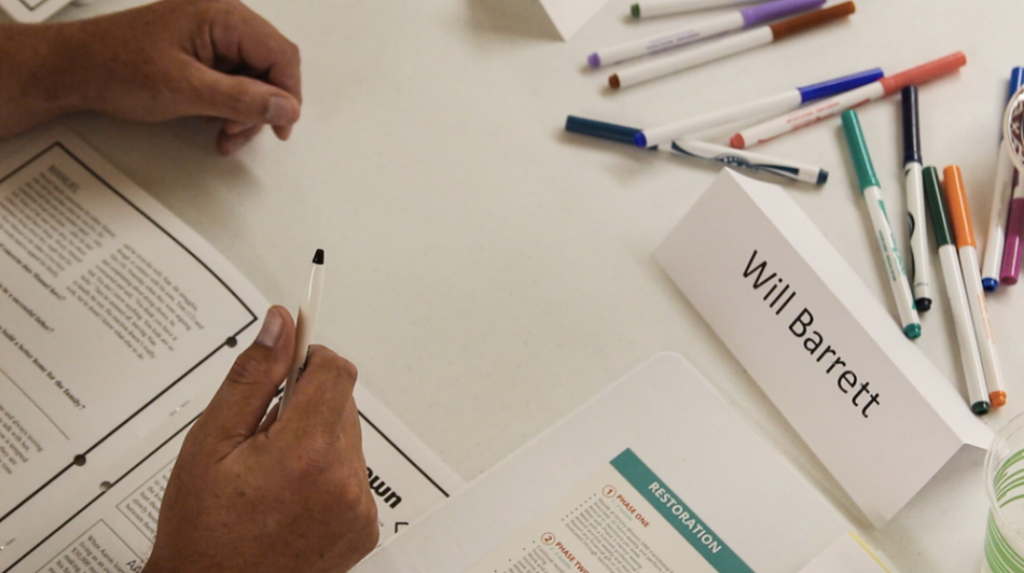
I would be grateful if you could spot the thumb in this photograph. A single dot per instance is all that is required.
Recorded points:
(243, 99)
(239, 405)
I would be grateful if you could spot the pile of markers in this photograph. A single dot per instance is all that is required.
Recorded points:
(1001, 264)
(764, 119)
(966, 278)
(753, 122)
(731, 33)
(954, 234)
(770, 117)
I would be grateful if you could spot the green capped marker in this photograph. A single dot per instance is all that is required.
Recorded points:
(970, 356)
(872, 194)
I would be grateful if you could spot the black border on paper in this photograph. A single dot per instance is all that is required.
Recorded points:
(221, 346)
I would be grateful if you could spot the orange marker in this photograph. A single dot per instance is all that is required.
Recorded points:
(960, 218)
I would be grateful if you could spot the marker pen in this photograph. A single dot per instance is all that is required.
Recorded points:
(998, 230)
(703, 29)
(726, 46)
(970, 357)
(827, 108)
(757, 110)
(305, 325)
(920, 266)
(960, 218)
(909, 320)
(653, 8)
(1010, 267)
(703, 150)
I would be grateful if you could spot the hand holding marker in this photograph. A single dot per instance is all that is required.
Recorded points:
(920, 268)
(726, 46)
(305, 324)
(970, 358)
(733, 20)
(872, 193)
(662, 7)
(832, 106)
(778, 103)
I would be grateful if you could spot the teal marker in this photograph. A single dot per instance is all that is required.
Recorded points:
(886, 240)
(970, 356)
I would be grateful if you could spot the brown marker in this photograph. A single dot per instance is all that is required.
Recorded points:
(727, 46)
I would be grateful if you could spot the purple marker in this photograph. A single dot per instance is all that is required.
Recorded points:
(1009, 270)
(733, 20)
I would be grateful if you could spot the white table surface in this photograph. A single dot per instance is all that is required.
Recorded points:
(488, 273)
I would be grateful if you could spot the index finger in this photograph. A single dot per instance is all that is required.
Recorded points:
(320, 396)
(243, 38)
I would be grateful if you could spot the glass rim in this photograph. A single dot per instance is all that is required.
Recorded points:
(1015, 109)
(1000, 439)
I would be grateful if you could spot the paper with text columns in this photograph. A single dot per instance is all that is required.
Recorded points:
(866, 400)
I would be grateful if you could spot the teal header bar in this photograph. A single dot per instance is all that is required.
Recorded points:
(678, 514)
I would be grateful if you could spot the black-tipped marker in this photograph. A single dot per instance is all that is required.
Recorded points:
(920, 267)
(305, 325)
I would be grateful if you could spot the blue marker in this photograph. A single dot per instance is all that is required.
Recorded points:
(702, 150)
(777, 104)
(998, 219)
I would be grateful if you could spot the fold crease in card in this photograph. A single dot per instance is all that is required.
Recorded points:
(880, 416)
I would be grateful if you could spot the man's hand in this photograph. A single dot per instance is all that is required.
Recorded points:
(174, 58)
(289, 493)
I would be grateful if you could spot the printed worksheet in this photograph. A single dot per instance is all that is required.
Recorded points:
(117, 325)
(656, 474)
(104, 306)
(114, 527)
(623, 520)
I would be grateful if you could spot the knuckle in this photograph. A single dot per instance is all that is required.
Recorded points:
(247, 369)
(333, 365)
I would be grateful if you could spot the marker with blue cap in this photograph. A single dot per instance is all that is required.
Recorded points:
(1002, 235)
(758, 110)
(872, 193)
(702, 150)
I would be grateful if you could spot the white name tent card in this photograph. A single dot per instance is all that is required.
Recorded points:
(32, 11)
(866, 400)
(569, 16)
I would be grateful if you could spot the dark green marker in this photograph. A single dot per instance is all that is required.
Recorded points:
(970, 356)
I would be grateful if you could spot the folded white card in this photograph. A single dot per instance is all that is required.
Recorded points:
(569, 16)
(32, 11)
(866, 400)
(847, 555)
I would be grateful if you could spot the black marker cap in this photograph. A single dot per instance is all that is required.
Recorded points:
(318, 257)
(911, 129)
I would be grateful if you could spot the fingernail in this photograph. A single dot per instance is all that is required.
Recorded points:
(279, 111)
(271, 331)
